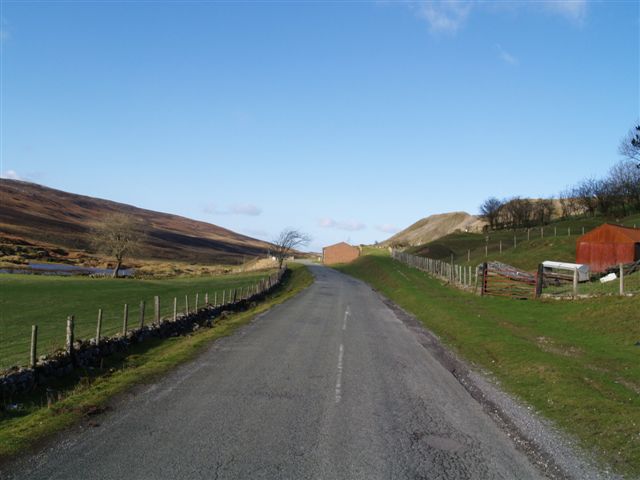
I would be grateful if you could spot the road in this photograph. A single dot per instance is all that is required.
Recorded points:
(329, 385)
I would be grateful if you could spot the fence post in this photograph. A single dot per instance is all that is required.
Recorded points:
(34, 343)
(196, 304)
(156, 308)
(621, 279)
(486, 250)
(555, 231)
(483, 287)
(223, 295)
(125, 319)
(206, 298)
(575, 283)
(99, 327)
(175, 308)
(539, 280)
(215, 299)
(500, 247)
(142, 306)
(186, 304)
(528, 234)
(69, 339)
(515, 241)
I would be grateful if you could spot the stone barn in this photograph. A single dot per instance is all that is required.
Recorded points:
(608, 245)
(339, 253)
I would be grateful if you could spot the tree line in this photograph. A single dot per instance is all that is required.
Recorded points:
(617, 194)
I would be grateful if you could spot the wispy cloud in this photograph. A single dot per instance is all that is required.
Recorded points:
(444, 16)
(234, 209)
(450, 16)
(348, 225)
(11, 175)
(245, 209)
(506, 56)
(387, 228)
(574, 10)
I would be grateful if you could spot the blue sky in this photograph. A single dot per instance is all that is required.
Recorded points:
(347, 120)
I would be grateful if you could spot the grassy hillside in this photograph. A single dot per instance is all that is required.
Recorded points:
(34, 215)
(46, 301)
(575, 362)
(556, 242)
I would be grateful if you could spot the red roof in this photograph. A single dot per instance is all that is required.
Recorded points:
(609, 233)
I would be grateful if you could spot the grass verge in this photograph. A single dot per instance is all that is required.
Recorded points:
(574, 362)
(34, 422)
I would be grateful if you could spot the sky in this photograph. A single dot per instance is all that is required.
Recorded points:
(347, 120)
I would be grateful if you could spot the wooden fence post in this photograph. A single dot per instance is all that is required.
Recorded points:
(515, 241)
(99, 327)
(206, 298)
(223, 295)
(196, 304)
(186, 304)
(500, 247)
(483, 286)
(569, 231)
(142, 306)
(575, 283)
(125, 319)
(34, 343)
(621, 279)
(69, 339)
(486, 250)
(175, 308)
(215, 299)
(156, 308)
(539, 280)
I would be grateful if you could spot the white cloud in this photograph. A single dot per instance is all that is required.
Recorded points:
(349, 225)
(235, 209)
(387, 228)
(506, 56)
(574, 10)
(245, 209)
(444, 16)
(449, 16)
(11, 175)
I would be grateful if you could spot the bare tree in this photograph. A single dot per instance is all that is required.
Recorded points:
(117, 236)
(543, 211)
(568, 203)
(490, 210)
(630, 145)
(288, 240)
(586, 195)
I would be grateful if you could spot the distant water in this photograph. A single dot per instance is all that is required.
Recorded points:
(62, 269)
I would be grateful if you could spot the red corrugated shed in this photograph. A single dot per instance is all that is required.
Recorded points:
(608, 245)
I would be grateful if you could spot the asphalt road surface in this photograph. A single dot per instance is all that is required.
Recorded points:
(329, 385)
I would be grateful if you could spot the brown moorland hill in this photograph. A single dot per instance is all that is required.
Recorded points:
(435, 226)
(38, 215)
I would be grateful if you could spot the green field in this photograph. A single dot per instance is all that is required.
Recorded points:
(46, 301)
(557, 242)
(92, 390)
(576, 362)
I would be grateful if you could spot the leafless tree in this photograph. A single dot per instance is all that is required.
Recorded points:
(568, 203)
(490, 211)
(288, 240)
(118, 235)
(542, 211)
(586, 195)
(625, 176)
(630, 145)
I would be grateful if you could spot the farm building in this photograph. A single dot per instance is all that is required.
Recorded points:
(608, 245)
(339, 253)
